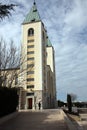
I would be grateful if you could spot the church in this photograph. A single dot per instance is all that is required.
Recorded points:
(38, 68)
(35, 78)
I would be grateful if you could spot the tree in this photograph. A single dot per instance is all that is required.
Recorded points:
(5, 10)
(61, 103)
(69, 102)
(12, 61)
(9, 63)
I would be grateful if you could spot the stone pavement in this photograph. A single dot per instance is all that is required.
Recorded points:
(36, 120)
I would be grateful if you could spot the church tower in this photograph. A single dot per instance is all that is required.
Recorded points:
(35, 58)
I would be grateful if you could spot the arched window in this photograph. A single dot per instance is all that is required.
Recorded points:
(31, 32)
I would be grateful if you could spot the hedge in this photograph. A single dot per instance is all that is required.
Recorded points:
(8, 100)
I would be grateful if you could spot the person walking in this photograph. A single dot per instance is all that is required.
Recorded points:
(39, 105)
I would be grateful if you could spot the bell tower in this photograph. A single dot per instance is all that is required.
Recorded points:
(38, 64)
(34, 53)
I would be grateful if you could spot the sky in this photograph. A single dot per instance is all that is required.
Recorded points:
(66, 24)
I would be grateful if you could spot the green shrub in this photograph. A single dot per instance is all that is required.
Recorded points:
(69, 102)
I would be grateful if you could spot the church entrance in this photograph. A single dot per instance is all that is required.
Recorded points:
(29, 103)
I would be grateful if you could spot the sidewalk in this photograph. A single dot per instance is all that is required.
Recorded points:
(77, 123)
(36, 120)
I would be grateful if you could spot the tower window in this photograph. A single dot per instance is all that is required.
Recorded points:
(30, 52)
(31, 58)
(30, 86)
(33, 20)
(30, 46)
(30, 65)
(31, 32)
(35, 10)
(30, 79)
(30, 41)
(29, 94)
(16, 79)
(30, 72)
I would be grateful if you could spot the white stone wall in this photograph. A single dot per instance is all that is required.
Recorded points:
(50, 58)
(51, 63)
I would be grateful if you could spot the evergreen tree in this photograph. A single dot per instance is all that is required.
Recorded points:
(69, 102)
(5, 10)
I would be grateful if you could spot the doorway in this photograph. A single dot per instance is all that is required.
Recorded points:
(29, 103)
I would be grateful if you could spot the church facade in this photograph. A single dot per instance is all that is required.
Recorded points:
(38, 76)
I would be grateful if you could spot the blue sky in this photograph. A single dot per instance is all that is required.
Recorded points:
(66, 24)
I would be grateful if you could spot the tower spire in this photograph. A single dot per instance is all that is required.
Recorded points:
(33, 15)
(34, 2)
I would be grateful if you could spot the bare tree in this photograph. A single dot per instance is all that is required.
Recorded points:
(5, 10)
(11, 64)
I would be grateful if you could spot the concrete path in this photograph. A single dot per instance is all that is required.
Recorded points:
(36, 120)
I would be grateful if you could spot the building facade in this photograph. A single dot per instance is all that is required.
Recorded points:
(38, 68)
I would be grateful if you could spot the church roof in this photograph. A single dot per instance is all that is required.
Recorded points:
(33, 15)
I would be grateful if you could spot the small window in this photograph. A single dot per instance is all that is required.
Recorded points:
(30, 86)
(30, 52)
(31, 32)
(32, 20)
(29, 94)
(32, 58)
(30, 72)
(30, 65)
(30, 79)
(16, 79)
(30, 46)
(30, 41)
(35, 10)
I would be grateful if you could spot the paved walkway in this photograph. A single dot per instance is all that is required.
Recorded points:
(40, 120)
